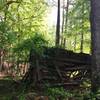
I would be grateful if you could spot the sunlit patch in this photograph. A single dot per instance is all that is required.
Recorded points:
(74, 74)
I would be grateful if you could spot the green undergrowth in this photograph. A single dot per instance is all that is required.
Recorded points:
(63, 94)
(10, 91)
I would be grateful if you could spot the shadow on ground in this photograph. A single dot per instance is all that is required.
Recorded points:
(8, 88)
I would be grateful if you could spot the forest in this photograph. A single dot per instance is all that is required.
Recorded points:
(49, 50)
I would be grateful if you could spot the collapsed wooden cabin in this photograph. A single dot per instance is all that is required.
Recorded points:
(58, 67)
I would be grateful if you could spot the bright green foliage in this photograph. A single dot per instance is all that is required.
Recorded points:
(55, 93)
(78, 24)
(35, 43)
(19, 21)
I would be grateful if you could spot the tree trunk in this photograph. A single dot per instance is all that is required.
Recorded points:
(66, 21)
(82, 28)
(58, 25)
(62, 31)
(1, 57)
(63, 17)
(95, 37)
(75, 39)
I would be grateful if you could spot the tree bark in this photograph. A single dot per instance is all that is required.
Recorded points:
(62, 31)
(66, 21)
(63, 17)
(58, 25)
(95, 43)
(1, 57)
(82, 28)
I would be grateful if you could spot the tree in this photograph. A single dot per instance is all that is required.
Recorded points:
(66, 21)
(95, 37)
(62, 29)
(58, 25)
(20, 20)
(78, 26)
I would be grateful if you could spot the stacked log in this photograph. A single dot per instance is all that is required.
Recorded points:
(59, 67)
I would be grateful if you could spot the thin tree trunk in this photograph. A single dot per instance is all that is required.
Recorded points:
(95, 37)
(63, 17)
(66, 19)
(75, 42)
(58, 25)
(62, 35)
(82, 28)
(1, 59)
(67, 8)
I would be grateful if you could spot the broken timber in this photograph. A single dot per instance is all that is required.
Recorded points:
(59, 67)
